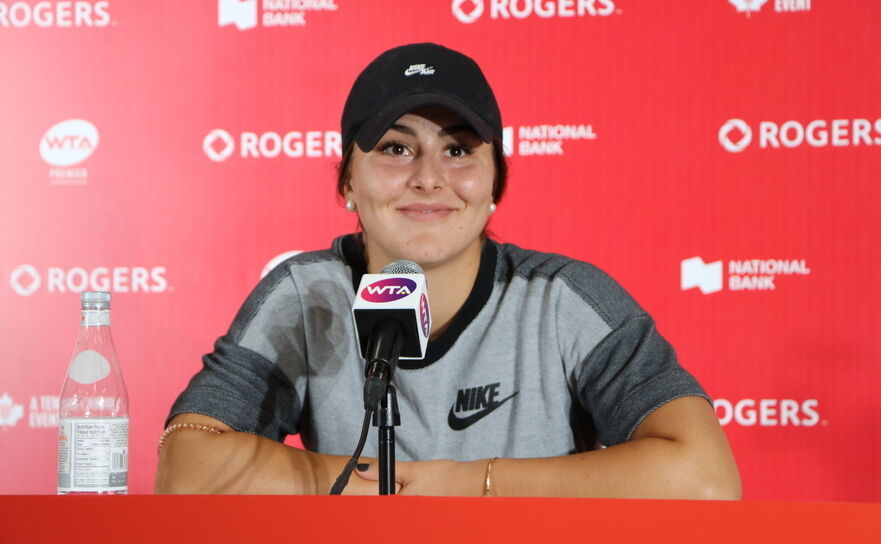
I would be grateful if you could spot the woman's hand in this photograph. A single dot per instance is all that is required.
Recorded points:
(441, 477)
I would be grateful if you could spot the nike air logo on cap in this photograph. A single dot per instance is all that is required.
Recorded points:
(420, 69)
(472, 399)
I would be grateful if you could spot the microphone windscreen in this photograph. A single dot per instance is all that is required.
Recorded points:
(402, 266)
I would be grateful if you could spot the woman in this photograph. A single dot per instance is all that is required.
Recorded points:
(532, 359)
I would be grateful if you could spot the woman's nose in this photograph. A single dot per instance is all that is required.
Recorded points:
(428, 175)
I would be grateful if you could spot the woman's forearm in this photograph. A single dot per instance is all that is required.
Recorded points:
(678, 452)
(196, 462)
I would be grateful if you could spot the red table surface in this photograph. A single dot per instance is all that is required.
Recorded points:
(211, 518)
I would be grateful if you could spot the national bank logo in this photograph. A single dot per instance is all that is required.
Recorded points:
(219, 145)
(695, 272)
(241, 13)
(780, 6)
(388, 290)
(469, 11)
(475, 403)
(736, 135)
(544, 139)
(65, 146)
(244, 14)
(743, 275)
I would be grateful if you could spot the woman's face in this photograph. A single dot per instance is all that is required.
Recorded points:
(423, 193)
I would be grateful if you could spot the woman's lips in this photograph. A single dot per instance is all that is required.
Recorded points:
(426, 213)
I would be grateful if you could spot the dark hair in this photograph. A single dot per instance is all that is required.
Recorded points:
(501, 163)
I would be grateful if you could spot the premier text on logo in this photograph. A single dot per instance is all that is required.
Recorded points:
(735, 134)
(469, 11)
(55, 14)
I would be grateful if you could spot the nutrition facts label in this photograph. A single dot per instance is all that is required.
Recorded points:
(93, 454)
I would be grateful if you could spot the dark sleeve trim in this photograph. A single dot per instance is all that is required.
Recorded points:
(252, 396)
(480, 293)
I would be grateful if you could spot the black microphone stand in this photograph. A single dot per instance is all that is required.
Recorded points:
(387, 418)
(383, 351)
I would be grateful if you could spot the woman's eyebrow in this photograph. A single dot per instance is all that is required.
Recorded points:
(403, 128)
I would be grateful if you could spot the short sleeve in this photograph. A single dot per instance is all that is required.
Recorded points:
(248, 381)
(629, 374)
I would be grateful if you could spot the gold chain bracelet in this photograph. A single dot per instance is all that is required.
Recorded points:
(185, 426)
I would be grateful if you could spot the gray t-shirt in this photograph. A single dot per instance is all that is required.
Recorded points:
(547, 357)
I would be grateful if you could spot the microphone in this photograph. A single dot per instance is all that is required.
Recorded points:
(392, 321)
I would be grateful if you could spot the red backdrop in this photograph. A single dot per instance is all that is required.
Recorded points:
(170, 150)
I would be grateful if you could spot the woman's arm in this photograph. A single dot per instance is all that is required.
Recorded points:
(678, 452)
(193, 461)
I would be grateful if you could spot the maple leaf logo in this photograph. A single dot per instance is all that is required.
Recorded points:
(10, 412)
(747, 6)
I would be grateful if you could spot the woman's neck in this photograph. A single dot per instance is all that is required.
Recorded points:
(449, 284)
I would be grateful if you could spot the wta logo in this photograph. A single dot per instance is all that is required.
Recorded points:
(69, 142)
(424, 316)
(388, 290)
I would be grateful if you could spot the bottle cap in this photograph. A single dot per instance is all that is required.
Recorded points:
(95, 300)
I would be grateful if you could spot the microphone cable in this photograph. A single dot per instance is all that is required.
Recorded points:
(343, 480)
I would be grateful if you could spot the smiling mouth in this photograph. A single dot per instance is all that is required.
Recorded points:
(426, 214)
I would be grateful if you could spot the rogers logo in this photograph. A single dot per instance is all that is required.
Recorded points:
(26, 279)
(467, 15)
(768, 412)
(55, 14)
(468, 11)
(69, 142)
(219, 145)
(735, 134)
(388, 290)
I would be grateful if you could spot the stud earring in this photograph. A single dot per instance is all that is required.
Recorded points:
(350, 205)
(492, 207)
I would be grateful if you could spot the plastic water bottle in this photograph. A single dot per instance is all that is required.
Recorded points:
(93, 433)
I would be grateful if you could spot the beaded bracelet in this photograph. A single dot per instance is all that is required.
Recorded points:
(186, 425)
(488, 483)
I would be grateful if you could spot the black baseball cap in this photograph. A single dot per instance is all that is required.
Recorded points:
(410, 76)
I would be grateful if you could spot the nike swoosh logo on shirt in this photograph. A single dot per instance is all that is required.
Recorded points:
(458, 423)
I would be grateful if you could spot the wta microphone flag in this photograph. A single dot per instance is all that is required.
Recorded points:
(398, 293)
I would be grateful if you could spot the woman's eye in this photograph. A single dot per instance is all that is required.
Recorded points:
(395, 149)
(457, 151)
